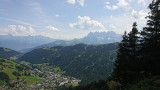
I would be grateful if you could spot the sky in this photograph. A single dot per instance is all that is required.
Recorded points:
(68, 19)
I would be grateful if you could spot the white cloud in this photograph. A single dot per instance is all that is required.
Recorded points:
(114, 7)
(12, 27)
(81, 2)
(86, 23)
(124, 21)
(112, 26)
(21, 28)
(134, 14)
(122, 3)
(107, 2)
(139, 14)
(52, 28)
(71, 1)
(17, 30)
(31, 30)
(57, 15)
(142, 2)
(110, 7)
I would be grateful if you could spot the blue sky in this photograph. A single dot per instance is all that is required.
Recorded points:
(68, 19)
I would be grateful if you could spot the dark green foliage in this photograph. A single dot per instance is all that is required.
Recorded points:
(27, 73)
(2, 60)
(151, 40)
(4, 77)
(8, 53)
(16, 73)
(100, 85)
(122, 59)
(142, 57)
(20, 68)
(127, 69)
(85, 62)
(42, 75)
(151, 83)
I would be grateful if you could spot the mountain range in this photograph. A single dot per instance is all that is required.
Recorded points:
(28, 43)
(23, 42)
(93, 38)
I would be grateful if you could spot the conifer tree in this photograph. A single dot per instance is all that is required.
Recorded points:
(151, 40)
(133, 46)
(122, 60)
(127, 57)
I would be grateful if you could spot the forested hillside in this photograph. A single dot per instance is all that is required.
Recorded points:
(85, 62)
(8, 53)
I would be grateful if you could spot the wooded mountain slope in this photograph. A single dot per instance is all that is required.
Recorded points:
(8, 53)
(86, 62)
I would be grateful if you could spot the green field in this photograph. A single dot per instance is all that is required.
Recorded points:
(24, 62)
(32, 80)
(75, 84)
(9, 73)
(9, 67)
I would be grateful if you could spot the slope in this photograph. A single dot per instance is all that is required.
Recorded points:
(9, 54)
(14, 74)
(85, 62)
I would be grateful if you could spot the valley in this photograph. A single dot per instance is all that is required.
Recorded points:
(26, 76)
(62, 63)
(86, 62)
(42, 68)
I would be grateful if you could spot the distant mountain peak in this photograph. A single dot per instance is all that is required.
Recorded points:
(27, 43)
(102, 37)
(93, 38)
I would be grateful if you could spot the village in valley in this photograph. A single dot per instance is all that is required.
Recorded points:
(39, 76)
(52, 77)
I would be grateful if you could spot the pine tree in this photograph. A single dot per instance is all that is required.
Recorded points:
(127, 58)
(133, 46)
(122, 60)
(151, 40)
